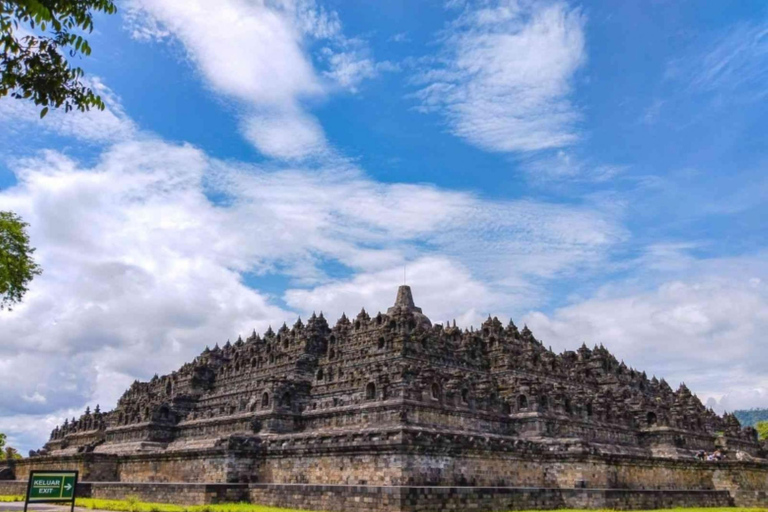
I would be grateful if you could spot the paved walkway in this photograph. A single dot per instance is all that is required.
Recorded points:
(18, 506)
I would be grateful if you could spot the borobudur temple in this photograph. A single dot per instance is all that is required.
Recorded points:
(391, 412)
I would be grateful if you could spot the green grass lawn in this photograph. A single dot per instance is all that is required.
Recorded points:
(137, 506)
(134, 505)
(131, 505)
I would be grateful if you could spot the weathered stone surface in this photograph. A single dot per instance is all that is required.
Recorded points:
(393, 400)
(430, 499)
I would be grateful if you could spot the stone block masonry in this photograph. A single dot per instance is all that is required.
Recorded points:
(362, 498)
(461, 499)
(391, 412)
(13, 487)
(177, 493)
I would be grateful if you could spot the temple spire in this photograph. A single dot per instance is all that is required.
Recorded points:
(404, 301)
(404, 297)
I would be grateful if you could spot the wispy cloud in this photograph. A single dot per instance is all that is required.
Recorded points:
(400, 37)
(351, 66)
(257, 53)
(97, 126)
(564, 165)
(735, 62)
(506, 75)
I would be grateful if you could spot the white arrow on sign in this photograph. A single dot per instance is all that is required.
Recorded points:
(68, 486)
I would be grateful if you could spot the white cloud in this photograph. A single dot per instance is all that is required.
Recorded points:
(135, 278)
(98, 126)
(142, 268)
(353, 64)
(507, 76)
(250, 50)
(400, 37)
(348, 69)
(441, 288)
(258, 54)
(563, 165)
(285, 134)
(745, 397)
(705, 326)
(25, 431)
(35, 398)
(368, 226)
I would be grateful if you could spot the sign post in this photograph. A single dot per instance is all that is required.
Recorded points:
(51, 487)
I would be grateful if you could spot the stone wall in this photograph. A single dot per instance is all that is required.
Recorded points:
(430, 499)
(367, 498)
(742, 477)
(178, 493)
(576, 471)
(176, 467)
(91, 466)
(346, 498)
(494, 498)
(750, 499)
(368, 459)
(432, 466)
(204, 466)
(348, 469)
(13, 487)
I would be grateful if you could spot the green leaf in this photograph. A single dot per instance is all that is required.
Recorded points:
(35, 67)
(18, 267)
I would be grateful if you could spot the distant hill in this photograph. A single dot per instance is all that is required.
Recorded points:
(751, 417)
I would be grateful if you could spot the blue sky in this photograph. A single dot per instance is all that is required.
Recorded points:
(593, 169)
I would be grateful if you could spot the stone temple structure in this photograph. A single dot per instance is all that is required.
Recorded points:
(391, 412)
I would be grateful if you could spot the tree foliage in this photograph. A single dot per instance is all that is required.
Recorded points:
(17, 268)
(35, 38)
(7, 452)
(762, 429)
(750, 417)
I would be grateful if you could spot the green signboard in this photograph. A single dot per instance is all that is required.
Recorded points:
(51, 486)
